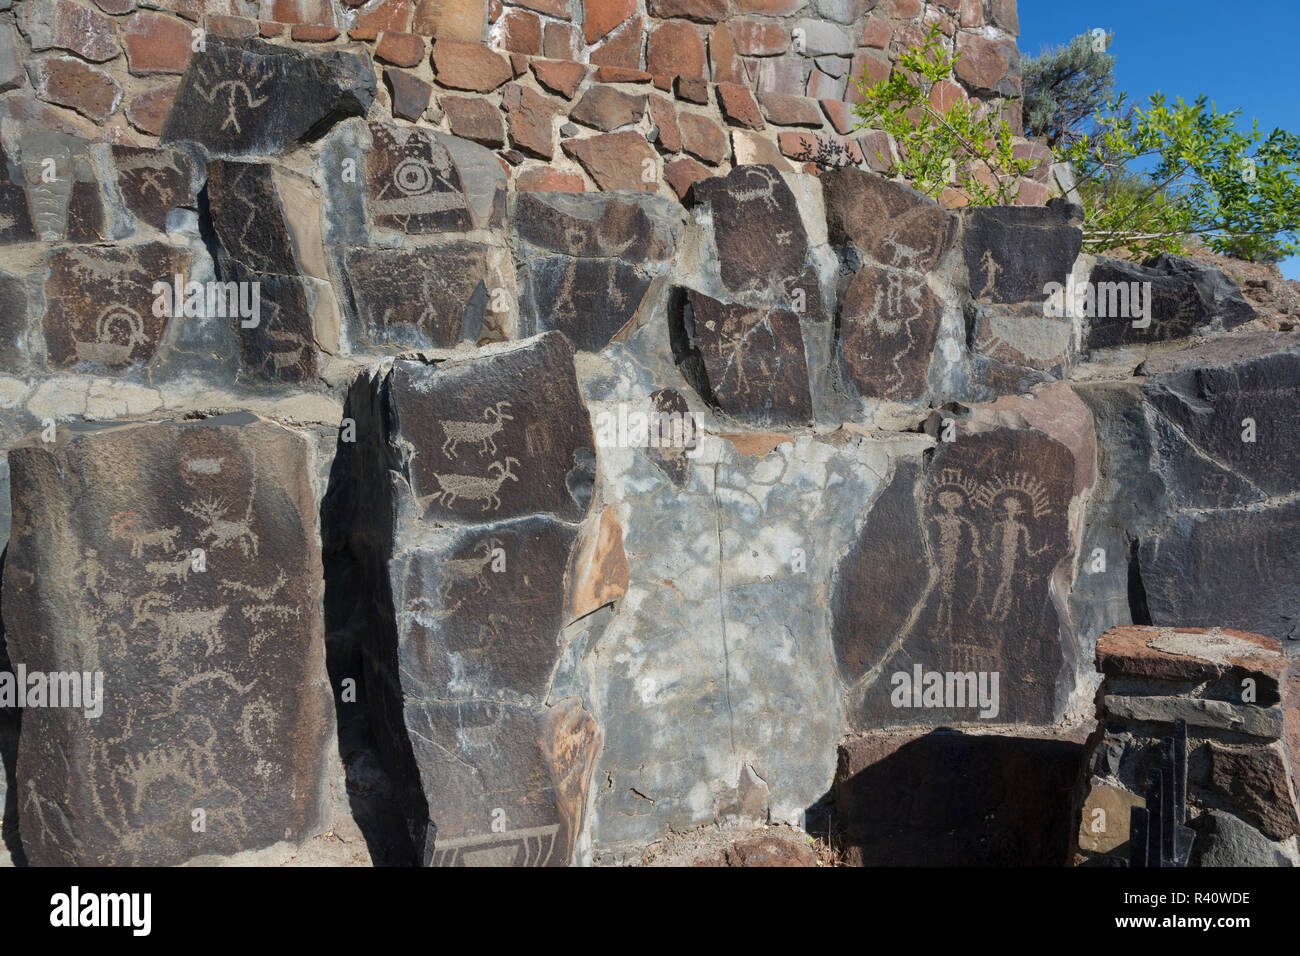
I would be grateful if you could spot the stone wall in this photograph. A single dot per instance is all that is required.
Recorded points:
(299, 394)
(626, 94)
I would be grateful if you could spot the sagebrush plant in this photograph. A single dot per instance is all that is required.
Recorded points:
(1066, 86)
(1238, 191)
(938, 149)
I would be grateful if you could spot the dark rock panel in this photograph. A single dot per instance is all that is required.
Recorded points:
(215, 707)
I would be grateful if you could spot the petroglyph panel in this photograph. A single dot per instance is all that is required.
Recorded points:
(245, 97)
(214, 691)
(889, 322)
(414, 185)
(496, 436)
(430, 297)
(100, 304)
(954, 574)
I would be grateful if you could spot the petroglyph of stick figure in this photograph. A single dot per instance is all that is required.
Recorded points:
(126, 524)
(475, 487)
(1008, 498)
(240, 96)
(953, 493)
(483, 433)
(220, 530)
(991, 272)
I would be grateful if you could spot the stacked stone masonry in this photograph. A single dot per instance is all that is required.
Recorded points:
(329, 449)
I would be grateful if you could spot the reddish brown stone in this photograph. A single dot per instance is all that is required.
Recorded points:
(559, 77)
(1031, 193)
(738, 105)
(804, 146)
(759, 37)
(727, 67)
(606, 108)
(621, 48)
(409, 94)
(148, 109)
(676, 49)
(518, 63)
(981, 64)
(313, 33)
(68, 26)
(876, 33)
(876, 149)
(116, 6)
(67, 81)
(390, 15)
(602, 16)
(598, 570)
(683, 173)
(663, 82)
(706, 11)
(787, 110)
(621, 74)
(703, 138)
(840, 114)
(473, 118)
(552, 8)
(469, 66)
(299, 11)
(692, 90)
(237, 27)
(617, 160)
(561, 41)
(664, 116)
(156, 43)
(1003, 13)
(543, 179)
(532, 118)
(1135, 652)
(945, 95)
(901, 9)
(1257, 782)
(269, 29)
(400, 49)
(520, 32)
(874, 66)
(450, 19)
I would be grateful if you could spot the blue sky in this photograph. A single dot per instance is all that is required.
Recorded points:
(1241, 54)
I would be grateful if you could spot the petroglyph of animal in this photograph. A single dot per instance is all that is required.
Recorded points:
(126, 524)
(181, 764)
(178, 569)
(468, 569)
(453, 488)
(483, 433)
(176, 626)
(763, 192)
(286, 358)
(221, 531)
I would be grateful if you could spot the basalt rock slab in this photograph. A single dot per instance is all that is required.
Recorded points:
(589, 300)
(1012, 253)
(100, 302)
(947, 799)
(154, 182)
(760, 236)
(419, 181)
(215, 697)
(498, 436)
(627, 226)
(958, 569)
(1177, 297)
(1186, 495)
(889, 223)
(748, 362)
(889, 324)
(241, 97)
(265, 221)
(434, 296)
(469, 581)
(56, 177)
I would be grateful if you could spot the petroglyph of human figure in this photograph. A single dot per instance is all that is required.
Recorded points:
(1011, 542)
(950, 523)
(991, 272)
